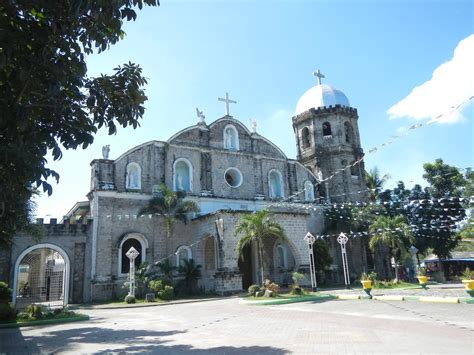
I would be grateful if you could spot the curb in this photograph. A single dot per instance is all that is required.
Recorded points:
(288, 300)
(437, 299)
(432, 299)
(44, 322)
(142, 305)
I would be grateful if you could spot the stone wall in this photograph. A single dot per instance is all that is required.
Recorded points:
(72, 239)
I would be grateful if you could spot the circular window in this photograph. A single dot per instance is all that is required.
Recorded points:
(233, 177)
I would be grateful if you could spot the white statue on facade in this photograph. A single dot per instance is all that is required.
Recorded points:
(200, 115)
(253, 125)
(179, 182)
(105, 151)
(228, 138)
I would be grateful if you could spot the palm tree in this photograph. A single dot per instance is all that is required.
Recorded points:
(171, 206)
(191, 273)
(375, 183)
(167, 268)
(256, 227)
(393, 232)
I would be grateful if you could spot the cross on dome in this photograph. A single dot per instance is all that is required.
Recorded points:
(227, 101)
(319, 75)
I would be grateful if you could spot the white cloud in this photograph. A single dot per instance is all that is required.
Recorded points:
(452, 83)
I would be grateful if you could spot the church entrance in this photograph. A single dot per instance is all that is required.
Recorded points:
(41, 276)
(245, 267)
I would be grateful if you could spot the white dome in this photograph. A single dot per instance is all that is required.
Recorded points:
(321, 96)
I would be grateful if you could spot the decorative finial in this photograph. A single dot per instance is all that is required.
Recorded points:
(319, 75)
(253, 125)
(106, 151)
(200, 115)
(227, 101)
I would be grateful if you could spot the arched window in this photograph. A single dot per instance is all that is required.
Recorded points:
(354, 170)
(137, 241)
(183, 253)
(327, 129)
(275, 184)
(349, 133)
(231, 138)
(182, 175)
(305, 140)
(133, 179)
(308, 191)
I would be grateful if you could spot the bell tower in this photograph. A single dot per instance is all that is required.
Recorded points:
(328, 142)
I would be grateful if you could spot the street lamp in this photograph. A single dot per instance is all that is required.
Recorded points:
(342, 240)
(310, 239)
(132, 254)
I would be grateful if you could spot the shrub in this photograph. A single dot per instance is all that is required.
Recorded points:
(35, 311)
(467, 274)
(297, 277)
(7, 312)
(130, 299)
(156, 285)
(5, 293)
(167, 293)
(372, 277)
(296, 290)
(268, 285)
(421, 271)
(252, 289)
(23, 316)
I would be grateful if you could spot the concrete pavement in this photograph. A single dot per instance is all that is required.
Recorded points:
(225, 327)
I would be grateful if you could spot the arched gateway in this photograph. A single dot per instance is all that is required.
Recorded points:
(41, 276)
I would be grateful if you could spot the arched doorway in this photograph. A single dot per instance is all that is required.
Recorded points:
(41, 277)
(245, 266)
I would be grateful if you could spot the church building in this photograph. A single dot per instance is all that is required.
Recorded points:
(228, 170)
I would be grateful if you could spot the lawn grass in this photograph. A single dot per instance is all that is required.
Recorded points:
(122, 302)
(281, 296)
(401, 284)
(56, 319)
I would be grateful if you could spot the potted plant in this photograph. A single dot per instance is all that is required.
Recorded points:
(422, 278)
(467, 278)
(366, 283)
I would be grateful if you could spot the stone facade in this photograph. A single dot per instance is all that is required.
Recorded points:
(228, 171)
(327, 149)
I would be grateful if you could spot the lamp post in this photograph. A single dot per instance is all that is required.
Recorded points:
(132, 254)
(342, 240)
(310, 239)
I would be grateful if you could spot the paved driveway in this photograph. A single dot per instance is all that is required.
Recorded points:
(225, 327)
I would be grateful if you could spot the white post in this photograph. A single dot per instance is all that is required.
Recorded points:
(342, 240)
(310, 239)
(132, 254)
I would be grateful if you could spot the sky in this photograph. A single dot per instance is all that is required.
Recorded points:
(402, 64)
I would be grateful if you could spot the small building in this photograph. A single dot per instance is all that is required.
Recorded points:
(452, 267)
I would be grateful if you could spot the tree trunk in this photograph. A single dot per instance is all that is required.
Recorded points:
(260, 251)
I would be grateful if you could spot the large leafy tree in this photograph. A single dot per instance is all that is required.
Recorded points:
(47, 100)
(256, 228)
(445, 180)
(392, 232)
(171, 206)
(435, 221)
